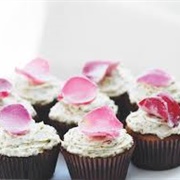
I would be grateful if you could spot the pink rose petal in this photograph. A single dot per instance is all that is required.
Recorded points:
(97, 70)
(5, 88)
(36, 71)
(15, 119)
(101, 122)
(78, 90)
(156, 77)
(162, 106)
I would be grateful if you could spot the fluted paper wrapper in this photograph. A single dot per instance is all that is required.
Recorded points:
(154, 153)
(40, 166)
(43, 111)
(107, 168)
(124, 106)
(61, 127)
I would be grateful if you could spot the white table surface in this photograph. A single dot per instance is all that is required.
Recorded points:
(134, 173)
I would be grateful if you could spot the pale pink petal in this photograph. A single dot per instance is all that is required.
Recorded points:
(101, 122)
(78, 90)
(5, 88)
(15, 119)
(36, 71)
(156, 77)
(162, 106)
(97, 70)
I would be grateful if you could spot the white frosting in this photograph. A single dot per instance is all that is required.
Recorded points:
(38, 94)
(143, 123)
(13, 98)
(140, 91)
(116, 84)
(77, 143)
(73, 113)
(39, 138)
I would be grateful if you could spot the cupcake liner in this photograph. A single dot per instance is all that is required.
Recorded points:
(124, 106)
(107, 168)
(154, 153)
(43, 111)
(61, 127)
(40, 166)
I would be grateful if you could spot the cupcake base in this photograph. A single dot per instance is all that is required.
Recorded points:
(40, 166)
(43, 111)
(124, 106)
(61, 127)
(107, 168)
(154, 153)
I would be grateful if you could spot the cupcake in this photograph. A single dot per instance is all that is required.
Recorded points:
(114, 80)
(155, 128)
(99, 148)
(28, 150)
(152, 82)
(78, 96)
(9, 96)
(35, 84)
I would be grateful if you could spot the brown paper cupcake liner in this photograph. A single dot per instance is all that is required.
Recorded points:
(40, 166)
(61, 127)
(124, 106)
(108, 168)
(43, 111)
(154, 153)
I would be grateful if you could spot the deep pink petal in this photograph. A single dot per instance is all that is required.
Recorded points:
(156, 77)
(5, 88)
(15, 119)
(163, 106)
(36, 71)
(78, 90)
(97, 70)
(101, 122)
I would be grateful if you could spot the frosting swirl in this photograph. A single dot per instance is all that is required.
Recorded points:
(117, 83)
(78, 143)
(39, 138)
(140, 91)
(143, 123)
(38, 94)
(73, 113)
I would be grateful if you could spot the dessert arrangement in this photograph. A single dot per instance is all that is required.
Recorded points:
(100, 121)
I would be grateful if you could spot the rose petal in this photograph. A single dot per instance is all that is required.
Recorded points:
(5, 88)
(36, 71)
(173, 109)
(154, 106)
(156, 77)
(15, 119)
(101, 122)
(78, 90)
(97, 70)
(163, 106)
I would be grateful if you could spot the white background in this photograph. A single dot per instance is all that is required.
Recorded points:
(141, 34)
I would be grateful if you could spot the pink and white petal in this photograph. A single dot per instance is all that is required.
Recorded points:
(78, 90)
(156, 77)
(97, 70)
(101, 122)
(36, 71)
(5, 88)
(15, 119)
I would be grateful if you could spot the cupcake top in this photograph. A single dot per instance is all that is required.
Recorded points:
(73, 105)
(8, 96)
(151, 82)
(112, 78)
(158, 115)
(99, 134)
(35, 84)
(20, 136)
